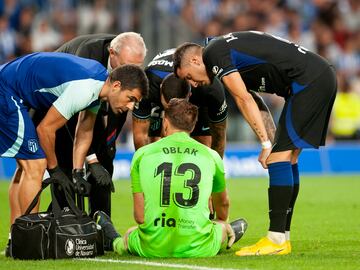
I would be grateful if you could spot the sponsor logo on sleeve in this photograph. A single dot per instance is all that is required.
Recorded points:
(216, 70)
(222, 108)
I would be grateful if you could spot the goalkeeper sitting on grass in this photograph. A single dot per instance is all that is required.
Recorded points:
(172, 181)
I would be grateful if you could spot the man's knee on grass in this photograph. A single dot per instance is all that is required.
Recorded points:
(120, 244)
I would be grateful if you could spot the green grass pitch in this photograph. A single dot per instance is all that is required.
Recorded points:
(325, 231)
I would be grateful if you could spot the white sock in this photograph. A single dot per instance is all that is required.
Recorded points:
(287, 235)
(276, 237)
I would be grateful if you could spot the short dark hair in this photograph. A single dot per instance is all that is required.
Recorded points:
(173, 87)
(131, 77)
(182, 114)
(180, 52)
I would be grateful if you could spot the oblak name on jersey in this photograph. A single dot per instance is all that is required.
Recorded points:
(179, 150)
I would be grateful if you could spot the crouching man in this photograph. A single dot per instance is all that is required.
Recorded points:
(172, 181)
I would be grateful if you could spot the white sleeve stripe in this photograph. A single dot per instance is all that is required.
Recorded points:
(59, 89)
(140, 116)
(226, 73)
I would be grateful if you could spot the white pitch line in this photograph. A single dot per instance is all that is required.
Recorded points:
(170, 265)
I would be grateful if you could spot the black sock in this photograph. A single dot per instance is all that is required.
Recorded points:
(296, 177)
(279, 199)
(291, 207)
(280, 193)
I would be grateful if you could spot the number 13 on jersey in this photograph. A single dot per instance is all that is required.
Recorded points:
(165, 170)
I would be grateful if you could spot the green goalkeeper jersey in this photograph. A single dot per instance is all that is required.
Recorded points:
(177, 176)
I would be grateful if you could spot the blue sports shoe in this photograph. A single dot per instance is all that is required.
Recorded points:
(110, 233)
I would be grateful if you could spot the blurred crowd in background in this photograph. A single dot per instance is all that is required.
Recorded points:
(327, 27)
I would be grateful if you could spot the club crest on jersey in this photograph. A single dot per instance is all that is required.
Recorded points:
(33, 145)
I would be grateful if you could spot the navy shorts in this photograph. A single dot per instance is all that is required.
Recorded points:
(305, 117)
(18, 137)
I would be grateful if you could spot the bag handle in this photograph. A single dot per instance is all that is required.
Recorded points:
(44, 184)
(54, 202)
(70, 201)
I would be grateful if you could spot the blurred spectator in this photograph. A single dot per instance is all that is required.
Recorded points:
(325, 43)
(276, 23)
(350, 11)
(43, 36)
(348, 65)
(94, 18)
(345, 123)
(213, 28)
(296, 33)
(228, 10)
(7, 40)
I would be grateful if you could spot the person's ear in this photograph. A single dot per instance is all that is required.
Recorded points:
(116, 85)
(112, 51)
(194, 60)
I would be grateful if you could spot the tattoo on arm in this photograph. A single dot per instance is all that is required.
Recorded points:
(269, 125)
(265, 115)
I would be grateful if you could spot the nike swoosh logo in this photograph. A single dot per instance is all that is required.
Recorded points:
(205, 128)
(277, 251)
(257, 253)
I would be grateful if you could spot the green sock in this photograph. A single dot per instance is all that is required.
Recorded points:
(118, 245)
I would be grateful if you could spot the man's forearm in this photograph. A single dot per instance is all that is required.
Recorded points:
(222, 213)
(140, 132)
(139, 214)
(265, 115)
(252, 115)
(81, 147)
(47, 142)
(221, 205)
(246, 104)
(269, 124)
(218, 136)
(83, 138)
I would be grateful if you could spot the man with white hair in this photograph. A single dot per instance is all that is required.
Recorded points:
(111, 51)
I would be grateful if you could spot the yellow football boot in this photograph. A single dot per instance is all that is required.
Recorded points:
(287, 250)
(265, 247)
